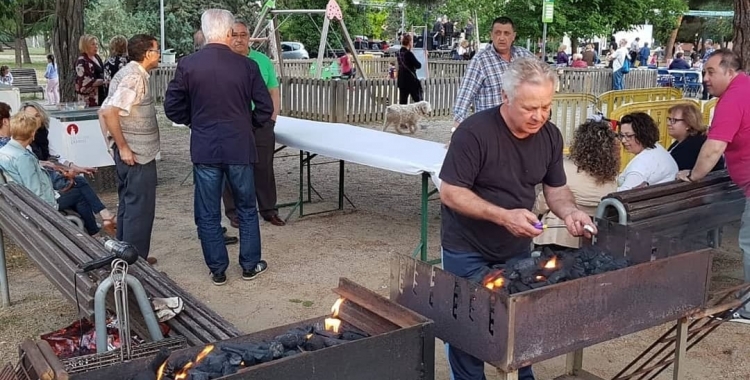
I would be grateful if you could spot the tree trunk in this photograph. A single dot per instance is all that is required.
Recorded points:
(19, 37)
(47, 42)
(672, 39)
(741, 41)
(25, 51)
(67, 30)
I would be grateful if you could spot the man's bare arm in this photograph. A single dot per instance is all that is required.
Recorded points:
(560, 200)
(465, 202)
(276, 99)
(710, 154)
(111, 117)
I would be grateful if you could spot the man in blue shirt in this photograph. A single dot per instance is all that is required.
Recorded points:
(644, 54)
(679, 63)
(210, 92)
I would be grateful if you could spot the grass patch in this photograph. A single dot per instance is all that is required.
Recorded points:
(304, 303)
(294, 300)
(307, 303)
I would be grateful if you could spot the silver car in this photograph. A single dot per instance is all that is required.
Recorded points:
(294, 50)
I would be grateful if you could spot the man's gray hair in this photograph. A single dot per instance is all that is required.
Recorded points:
(216, 24)
(527, 70)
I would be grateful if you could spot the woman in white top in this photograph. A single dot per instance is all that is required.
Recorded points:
(652, 163)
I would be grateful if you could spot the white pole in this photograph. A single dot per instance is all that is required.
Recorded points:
(403, 18)
(161, 16)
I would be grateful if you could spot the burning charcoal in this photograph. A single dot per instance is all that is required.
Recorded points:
(556, 277)
(212, 364)
(316, 342)
(276, 349)
(320, 330)
(292, 339)
(353, 335)
(228, 369)
(537, 285)
(196, 374)
(234, 359)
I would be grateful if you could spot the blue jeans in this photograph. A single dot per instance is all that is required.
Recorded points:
(82, 184)
(744, 240)
(472, 266)
(74, 199)
(209, 181)
(618, 80)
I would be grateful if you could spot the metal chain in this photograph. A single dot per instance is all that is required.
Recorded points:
(118, 274)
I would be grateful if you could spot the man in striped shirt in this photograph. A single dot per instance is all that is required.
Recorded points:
(483, 79)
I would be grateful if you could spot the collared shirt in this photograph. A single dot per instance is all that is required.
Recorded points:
(483, 81)
(128, 92)
(22, 167)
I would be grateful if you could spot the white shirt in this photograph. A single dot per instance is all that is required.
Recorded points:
(652, 166)
(620, 55)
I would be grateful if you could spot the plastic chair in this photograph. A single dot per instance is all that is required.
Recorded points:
(678, 80)
(693, 86)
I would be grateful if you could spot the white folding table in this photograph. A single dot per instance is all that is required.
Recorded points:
(364, 146)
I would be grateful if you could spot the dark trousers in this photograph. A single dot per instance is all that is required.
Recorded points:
(82, 184)
(136, 191)
(473, 266)
(404, 92)
(74, 200)
(209, 183)
(265, 178)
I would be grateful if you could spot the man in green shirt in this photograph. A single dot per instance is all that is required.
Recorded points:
(265, 139)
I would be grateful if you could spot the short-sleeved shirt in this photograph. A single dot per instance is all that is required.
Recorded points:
(267, 71)
(486, 158)
(731, 124)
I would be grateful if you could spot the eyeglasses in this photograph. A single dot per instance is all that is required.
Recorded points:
(673, 120)
(623, 136)
(240, 35)
(155, 51)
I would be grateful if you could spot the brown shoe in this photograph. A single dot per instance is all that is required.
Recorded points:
(276, 221)
(151, 260)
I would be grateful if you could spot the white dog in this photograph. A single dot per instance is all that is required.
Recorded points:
(406, 116)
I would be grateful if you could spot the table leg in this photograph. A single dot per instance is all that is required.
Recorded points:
(302, 181)
(507, 375)
(341, 184)
(425, 220)
(573, 362)
(680, 349)
(309, 176)
(4, 290)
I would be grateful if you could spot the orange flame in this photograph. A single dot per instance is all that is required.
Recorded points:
(183, 373)
(551, 264)
(496, 282)
(332, 324)
(539, 278)
(335, 307)
(160, 372)
(308, 336)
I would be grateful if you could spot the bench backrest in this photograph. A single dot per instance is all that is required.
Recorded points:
(24, 78)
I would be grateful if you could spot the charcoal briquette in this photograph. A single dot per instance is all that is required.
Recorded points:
(276, 348)
(234, 358)
(290, 353)
(558, 276)
(196, 374)
(292, 339)
(353, 335)
(316, 342)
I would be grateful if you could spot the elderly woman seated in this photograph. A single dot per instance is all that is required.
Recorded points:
(685, 125)
(591, 170)
(652, 163)
(20, 165)
(49, 158)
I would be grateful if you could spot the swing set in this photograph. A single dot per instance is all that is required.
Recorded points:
(332, 12)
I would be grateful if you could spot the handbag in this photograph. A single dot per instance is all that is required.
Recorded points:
(62, 180)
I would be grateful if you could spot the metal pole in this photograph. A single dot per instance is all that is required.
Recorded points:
(4, 292)
(403, 18)
(544, 43)
(161, 16)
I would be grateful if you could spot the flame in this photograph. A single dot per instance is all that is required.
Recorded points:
(183, 373)
(496, 282)
(160, 372)
(335, 307)
(308, 336)
(539, 278)
(333, 324)
(551, 264)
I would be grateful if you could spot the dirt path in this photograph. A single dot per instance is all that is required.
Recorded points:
(309, 255)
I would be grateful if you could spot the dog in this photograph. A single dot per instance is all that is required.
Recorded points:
(406, 116)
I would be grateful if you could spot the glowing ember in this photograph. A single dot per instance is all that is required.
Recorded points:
(332, 324)
(551, 264)
(495, 283)
(308, 336)
(335, 307)
(539, 278)
(204, 353)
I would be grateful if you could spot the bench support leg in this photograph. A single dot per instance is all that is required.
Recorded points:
(4, 291)
(100, 311)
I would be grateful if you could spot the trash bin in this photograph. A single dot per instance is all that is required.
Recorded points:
(10, 96)
(75, 134)
(168, 57)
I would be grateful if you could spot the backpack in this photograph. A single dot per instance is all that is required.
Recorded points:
(626, 66)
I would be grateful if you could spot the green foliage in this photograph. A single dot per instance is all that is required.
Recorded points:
(23, 18)
(585, 19)
(461, 11)
(664, 17)
(108, 18)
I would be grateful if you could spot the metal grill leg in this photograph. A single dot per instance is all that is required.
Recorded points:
(507, 375)
(574, 362)
(4, 290)
(681, 349)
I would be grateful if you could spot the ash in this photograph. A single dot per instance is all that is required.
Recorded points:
(570, 264)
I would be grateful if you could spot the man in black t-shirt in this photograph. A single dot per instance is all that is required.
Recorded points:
(494, 161)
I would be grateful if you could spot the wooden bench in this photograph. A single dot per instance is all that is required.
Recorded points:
(58, 248)
(26, 82)
(678, 209)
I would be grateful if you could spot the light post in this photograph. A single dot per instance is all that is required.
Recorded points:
(403, 17)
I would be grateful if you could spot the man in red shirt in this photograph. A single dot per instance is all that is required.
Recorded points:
(729, 134)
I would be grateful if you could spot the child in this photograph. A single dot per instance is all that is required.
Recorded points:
(5, 76)
(392, 70)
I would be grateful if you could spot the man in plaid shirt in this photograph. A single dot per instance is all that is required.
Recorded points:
(483, 79)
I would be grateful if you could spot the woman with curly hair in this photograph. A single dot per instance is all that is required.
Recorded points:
(652, 163)
(591, 169)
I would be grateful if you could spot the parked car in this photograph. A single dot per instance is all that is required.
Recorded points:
(294, 50)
